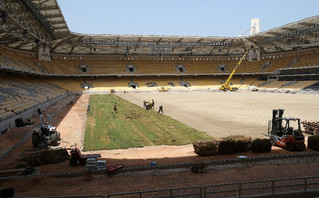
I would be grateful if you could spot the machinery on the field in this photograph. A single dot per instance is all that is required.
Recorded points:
(282, 133)
(148, 105)
(227, 86)
(45, 135)
(163, 89)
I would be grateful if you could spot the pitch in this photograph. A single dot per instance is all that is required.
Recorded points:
(221, 114)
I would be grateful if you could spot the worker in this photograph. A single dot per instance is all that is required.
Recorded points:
(144, 104)
(115, 108)
(88, 109)
(160, 109)
(153, 104)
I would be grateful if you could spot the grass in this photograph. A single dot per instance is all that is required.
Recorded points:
(132, 126)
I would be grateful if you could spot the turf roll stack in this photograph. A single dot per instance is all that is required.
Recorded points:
(243, 143)
(206, 147)
(261, 145)
(226, 145)
(313, 142)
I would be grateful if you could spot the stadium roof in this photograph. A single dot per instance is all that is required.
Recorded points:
(28, 24)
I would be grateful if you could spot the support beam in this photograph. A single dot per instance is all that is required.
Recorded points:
(57, 22)
(43, 2)
(37, 14)
(58, 43)
(257, 44)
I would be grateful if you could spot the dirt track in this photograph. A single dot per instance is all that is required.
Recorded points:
(232, 113)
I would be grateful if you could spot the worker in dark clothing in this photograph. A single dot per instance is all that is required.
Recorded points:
(88, 109)
(115, 108)
(153, 104)
(160, 109)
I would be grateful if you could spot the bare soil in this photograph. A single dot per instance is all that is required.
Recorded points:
(218, 114)
(222, 114)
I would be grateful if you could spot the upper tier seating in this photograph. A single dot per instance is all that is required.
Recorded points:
(117, 65)
(19, 94)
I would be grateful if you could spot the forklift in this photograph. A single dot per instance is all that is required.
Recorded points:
(282, 132)
(47, 134)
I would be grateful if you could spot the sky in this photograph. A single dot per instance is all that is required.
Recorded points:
(182, 17)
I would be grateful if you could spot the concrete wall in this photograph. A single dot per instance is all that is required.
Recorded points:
(9, 123)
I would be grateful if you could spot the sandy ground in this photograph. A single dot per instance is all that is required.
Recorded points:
(219, 114)
(72, 125)
(222, 114)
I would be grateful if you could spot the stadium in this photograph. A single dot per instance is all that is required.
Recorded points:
(94, 88)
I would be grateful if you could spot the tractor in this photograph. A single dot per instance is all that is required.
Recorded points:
(282, 133)
(148, 105)
(45, 135)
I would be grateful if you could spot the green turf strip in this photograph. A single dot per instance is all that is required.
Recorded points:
(132, 126)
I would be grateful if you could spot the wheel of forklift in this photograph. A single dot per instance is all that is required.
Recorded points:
(35, 140)
(290, 147)
(300, 147)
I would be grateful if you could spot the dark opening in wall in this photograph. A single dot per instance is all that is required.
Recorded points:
(180, 68)
(83, 68)
(130, 68)
(222, 68)
(133, 84)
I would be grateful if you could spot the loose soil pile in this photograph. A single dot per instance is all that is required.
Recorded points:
(313, 142)
(221, 114)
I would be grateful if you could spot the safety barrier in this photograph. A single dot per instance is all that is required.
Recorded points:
(235, 189)
(79, 196)
(172, 192)
(263, 187)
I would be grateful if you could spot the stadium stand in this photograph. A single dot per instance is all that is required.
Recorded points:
(78, 62)
(42, 61)
(20, 94)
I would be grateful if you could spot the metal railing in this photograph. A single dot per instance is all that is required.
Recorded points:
(236, 189)
(78, 196)
(172, 192)
(263, 187)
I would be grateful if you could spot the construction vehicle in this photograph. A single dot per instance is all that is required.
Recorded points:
(163, 89)
(282, 133)
(45, 135)
(148, 105)
(227, 86)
